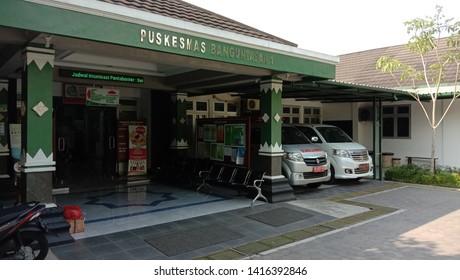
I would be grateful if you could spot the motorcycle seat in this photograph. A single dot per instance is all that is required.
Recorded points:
(9, 214)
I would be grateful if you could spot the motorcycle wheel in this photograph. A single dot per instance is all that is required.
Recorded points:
(37, 241)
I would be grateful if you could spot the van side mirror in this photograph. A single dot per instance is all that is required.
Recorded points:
(314, 139)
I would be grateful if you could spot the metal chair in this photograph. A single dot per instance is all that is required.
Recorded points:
(212, 175)
(255, 181)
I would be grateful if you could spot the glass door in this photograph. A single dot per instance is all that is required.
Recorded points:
(85, 146)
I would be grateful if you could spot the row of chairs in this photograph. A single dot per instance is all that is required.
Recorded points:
(236, 177)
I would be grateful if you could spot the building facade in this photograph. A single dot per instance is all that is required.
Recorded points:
(76, 75)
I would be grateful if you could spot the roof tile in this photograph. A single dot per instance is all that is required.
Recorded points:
(185, 11)
(359, 67)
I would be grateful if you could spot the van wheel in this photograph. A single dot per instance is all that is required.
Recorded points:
(332, 180)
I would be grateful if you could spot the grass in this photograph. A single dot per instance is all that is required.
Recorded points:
(420, 174)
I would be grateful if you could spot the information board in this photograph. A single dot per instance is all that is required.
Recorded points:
(224, 140)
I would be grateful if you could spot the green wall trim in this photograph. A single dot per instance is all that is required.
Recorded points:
(58, 21)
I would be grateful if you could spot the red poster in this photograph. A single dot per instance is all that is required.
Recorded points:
(137, 163)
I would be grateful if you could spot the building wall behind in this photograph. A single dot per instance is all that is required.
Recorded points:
(419, 144)
(449, 132)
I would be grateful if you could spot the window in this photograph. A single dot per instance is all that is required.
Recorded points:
(200, 109)
(396, 121)
(291, 114)
(310, 133)
(231, 107)
(219, 107)
(311, 115)
(201, 106)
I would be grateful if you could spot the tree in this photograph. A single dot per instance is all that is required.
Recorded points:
(436, 42)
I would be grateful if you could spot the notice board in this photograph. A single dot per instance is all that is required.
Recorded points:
(224, 140)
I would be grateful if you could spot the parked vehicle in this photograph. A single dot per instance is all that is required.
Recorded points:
(22, 232)
(303, 163)
(349, 159)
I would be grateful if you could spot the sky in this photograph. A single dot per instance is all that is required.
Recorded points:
(332, 27)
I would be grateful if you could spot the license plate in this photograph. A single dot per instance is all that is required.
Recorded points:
(364, 166)
(318, 169)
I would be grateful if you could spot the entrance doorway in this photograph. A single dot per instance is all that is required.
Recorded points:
(85, 146)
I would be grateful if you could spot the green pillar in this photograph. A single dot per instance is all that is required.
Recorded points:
(37, 162)
(179, 143)
(271, 115)
(276, 187)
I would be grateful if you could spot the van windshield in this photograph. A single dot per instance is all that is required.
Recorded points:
(291, 136)
(334, 135)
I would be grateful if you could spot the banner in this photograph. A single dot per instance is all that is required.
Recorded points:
(137, 163)
(15, 140)
(123, 138)
(102, 97)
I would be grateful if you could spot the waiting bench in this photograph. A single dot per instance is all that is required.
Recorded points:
(410, 159)
(235, 177)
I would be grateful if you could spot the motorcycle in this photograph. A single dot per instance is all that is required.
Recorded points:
(22, 232)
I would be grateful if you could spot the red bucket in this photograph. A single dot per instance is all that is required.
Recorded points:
(72, 212)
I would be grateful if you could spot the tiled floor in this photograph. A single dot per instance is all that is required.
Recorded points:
(117, 222)
(146, 205)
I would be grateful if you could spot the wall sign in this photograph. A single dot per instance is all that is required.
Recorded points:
(102, 97)
(100, 76)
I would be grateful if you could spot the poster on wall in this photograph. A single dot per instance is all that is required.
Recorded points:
(137, 163)
(74, 94)
(15, 140)
(240, 153)
(235, 135)
(123, 138)
(216, 151)
(102, 97)
(209, 132)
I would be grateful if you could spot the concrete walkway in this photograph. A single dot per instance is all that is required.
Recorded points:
(350, 220)
(425, 226)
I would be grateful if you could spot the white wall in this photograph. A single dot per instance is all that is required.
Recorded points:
(449, 132)
(419, 144)
(337, 111)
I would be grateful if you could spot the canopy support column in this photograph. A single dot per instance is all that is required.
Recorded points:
(276, 187)
(37, 162)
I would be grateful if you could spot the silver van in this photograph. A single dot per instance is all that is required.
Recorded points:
(349, 159)
(303, 163)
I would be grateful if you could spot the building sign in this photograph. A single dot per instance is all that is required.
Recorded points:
(195, 45)
(100, 76)
(102, 97)
(124, 31)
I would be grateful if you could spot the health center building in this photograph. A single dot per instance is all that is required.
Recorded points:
(96, 92)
